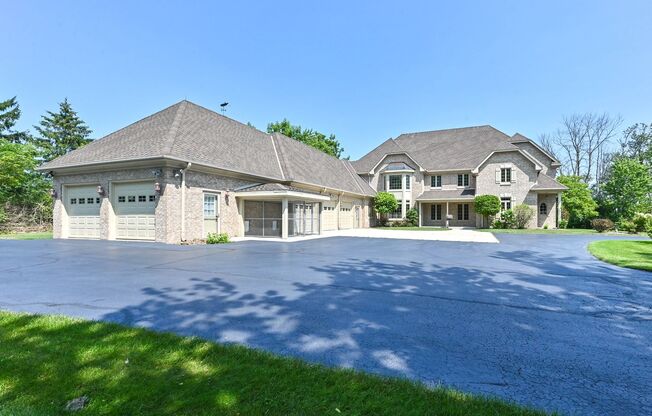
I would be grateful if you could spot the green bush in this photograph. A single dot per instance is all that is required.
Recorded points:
(627, 226)
(602, 224)
(642, 222)
(545, 226)
(215, 238)
(384, 203)
(522, 215)
(412, 217)
(486, 205)
(563, 224)
(505, 220)
(649, 232)
(3, 215)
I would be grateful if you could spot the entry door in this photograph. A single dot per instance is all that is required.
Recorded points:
(211, 214)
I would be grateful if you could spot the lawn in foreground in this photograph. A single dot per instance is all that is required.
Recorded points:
(48, 360)
(572, 231)
(635, 254)
(46, 235)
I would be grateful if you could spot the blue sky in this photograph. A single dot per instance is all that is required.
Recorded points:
(365, 71)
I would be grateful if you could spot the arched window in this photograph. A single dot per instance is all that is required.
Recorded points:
(543, 208)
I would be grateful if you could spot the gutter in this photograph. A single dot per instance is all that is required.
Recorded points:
(183, 201)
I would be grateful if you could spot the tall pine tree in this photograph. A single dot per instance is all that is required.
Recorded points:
(9, 115)
(61, 132)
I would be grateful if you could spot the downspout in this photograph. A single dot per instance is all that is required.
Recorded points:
(183, 201)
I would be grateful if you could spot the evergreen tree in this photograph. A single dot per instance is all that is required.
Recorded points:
(61, 132)
(9, 115)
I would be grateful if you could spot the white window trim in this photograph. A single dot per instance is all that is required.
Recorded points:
(468, 181)
(441, 181)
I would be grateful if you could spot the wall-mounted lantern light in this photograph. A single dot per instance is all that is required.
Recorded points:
(226, 197)
(100, 190)
(53, 193)
(157, 188)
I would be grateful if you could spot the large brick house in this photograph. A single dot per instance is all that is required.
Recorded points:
(187, 171)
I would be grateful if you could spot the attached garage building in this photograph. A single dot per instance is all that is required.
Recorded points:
(186, 171)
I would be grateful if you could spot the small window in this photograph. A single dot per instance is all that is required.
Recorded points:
(131, 198)
(142, 198)
(398, 213)
(463, 179)
(82, 201)
(73, 201)
(505, 175)
(407, 181)
(90, 200)
(395, 182)
(97, 200)
(463, 212)
(121, 199)
(435, 181)
(505, 203)
(152, 198)
(543, 208)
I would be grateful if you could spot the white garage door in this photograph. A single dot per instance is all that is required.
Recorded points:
(346, 215)
(83, 209)
(329, 216)
(135, 204)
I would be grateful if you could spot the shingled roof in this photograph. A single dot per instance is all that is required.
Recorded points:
(463, 148)
(188, 132)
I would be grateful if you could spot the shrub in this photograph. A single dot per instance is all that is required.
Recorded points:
(642, 222)
(563, 223)
(486, 205)
(649, 232)
(412, 217)
(602, 224)
(522, 215)
(215, 238)
(384, 203)
(545, 226)
(627, 226)
(506, 220)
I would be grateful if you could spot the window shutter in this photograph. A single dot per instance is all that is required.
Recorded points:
(497, 175)
(513, 176)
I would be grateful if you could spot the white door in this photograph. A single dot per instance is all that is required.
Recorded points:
(83, 209)
(346, 215)
(135, 205)
(329, 216)
(211, 214)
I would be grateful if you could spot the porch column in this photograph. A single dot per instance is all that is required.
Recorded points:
(241, 228)
(447, 224)
(284, 221)
(558, 208)
(419, 209)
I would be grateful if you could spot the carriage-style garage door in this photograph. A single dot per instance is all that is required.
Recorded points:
(346, 215)
(135, 204)
(329, 216)
(83, 209)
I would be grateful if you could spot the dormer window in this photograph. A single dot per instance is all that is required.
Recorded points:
(463, 180)
(435, 181)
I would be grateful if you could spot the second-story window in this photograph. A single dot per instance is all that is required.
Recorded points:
(435, 181)
(395, 182)
(463, 179)
(505, 175)
(407, 181)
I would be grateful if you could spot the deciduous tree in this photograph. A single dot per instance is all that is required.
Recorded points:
(327, 144)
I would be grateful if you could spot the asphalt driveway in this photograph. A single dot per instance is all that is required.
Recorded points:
(534, 319)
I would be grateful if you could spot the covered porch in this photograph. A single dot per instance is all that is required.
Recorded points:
(447, 208)
(279, 211)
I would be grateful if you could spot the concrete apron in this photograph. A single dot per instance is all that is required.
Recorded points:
(454, 234)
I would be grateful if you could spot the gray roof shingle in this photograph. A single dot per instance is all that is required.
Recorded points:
(545, 182)
(192, 133)
(461, 148)
(443, 194)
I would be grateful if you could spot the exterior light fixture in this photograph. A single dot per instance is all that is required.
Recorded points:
(53, 193)
(157, 188)
(226, 197)
(100, 190)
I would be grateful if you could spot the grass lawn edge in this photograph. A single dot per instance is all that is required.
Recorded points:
(632, 254)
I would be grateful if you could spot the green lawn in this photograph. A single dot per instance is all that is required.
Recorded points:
(27, 236)
(412, 228)
(635, 254)
(47, 361)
